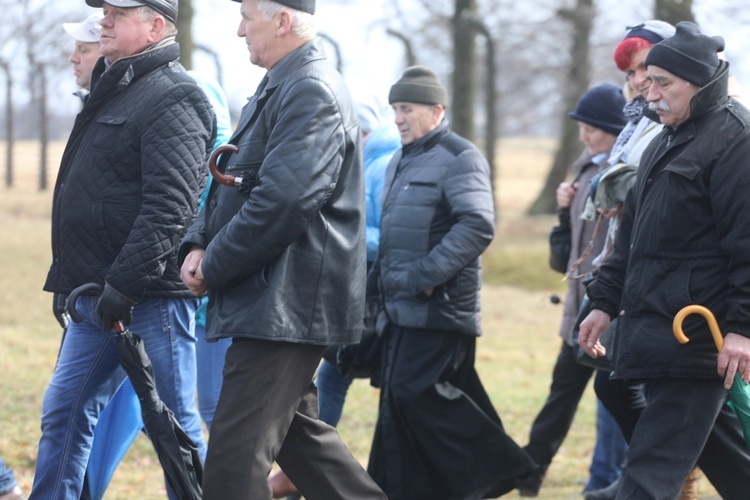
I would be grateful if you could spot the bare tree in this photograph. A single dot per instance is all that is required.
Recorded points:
(185, 32)
(581, 18)
(674, 11)
(464, 69)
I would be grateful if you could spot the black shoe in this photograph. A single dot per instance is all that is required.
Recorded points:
(608, 493)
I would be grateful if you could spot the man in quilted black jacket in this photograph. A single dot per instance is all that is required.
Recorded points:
(127, 188)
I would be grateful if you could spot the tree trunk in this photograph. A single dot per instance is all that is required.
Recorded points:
(674, 11)
(582, 19)
(8, 125)
(43, 128)
(185, 32)
(464, 70)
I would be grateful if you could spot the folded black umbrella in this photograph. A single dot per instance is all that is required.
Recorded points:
(177, 453)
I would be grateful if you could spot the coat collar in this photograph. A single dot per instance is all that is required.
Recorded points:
(309, 51)
(428, 141)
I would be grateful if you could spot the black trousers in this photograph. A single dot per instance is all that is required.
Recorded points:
(686, 422)
(551, 425)
(624, 399)
(268, 409)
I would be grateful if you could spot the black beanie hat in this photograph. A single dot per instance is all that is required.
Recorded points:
(303, 5)
(418, 84)
(601, 107)
(688, 54)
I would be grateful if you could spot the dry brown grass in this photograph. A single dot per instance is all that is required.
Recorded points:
(514, 357)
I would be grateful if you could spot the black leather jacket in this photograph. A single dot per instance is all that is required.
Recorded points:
(285, 254)
(130, 177)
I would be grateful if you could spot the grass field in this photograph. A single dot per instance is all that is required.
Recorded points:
(514, 357)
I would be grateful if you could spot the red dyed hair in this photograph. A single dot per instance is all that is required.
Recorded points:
(625, 50)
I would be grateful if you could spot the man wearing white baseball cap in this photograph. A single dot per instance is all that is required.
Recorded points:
(86, 52)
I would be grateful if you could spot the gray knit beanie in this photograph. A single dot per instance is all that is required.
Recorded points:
(420, 85)
(688, 54)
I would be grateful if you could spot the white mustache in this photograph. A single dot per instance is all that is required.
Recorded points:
(659, 105)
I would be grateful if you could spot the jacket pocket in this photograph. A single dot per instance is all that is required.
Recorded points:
(246, 164)
(108, 132)
(684, 168)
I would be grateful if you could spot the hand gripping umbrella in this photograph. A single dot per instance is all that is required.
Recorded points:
(177, 453)
(739, 394)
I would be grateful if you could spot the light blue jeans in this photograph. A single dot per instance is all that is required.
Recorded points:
(88, 374)
(210, 356)
(332, 389)
(7, 479)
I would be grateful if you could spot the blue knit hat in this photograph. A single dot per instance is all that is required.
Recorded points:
(601, 107)
(688, 54)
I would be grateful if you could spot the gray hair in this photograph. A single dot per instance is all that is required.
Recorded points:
(148, 14)
(303, 23)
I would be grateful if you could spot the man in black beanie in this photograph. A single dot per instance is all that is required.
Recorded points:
(283, 260)
(437, 434)
(684, 239)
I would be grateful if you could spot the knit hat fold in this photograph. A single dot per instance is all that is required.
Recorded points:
(688, 54)
(601, 107)
(420, 85)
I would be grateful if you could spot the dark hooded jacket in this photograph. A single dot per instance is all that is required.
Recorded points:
(285, 253)
(130, 177)
(684, 239)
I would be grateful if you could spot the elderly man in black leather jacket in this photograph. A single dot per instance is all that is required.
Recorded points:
(283, 260)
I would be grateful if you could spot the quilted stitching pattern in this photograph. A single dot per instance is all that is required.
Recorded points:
(130, 178)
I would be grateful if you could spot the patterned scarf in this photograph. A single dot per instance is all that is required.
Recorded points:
(633, 111)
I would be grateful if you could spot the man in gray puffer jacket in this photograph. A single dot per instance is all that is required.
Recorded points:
(437, 434)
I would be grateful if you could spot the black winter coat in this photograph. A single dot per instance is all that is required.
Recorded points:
(684, 239)
(130, 177)
(285, 255)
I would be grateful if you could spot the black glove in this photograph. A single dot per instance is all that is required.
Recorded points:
(113, 307)
(60, 309)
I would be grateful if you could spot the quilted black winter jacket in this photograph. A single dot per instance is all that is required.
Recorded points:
(130, 177)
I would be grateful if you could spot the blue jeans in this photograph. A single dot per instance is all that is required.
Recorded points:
(609, 452)
(332, 389)
(88, 374)
(210, 360)
(7, 479)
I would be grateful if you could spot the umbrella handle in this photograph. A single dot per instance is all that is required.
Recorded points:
(222, 178)
(706, 313)
(87, 289)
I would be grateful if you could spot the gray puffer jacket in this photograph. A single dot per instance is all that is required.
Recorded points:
(438, 218)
